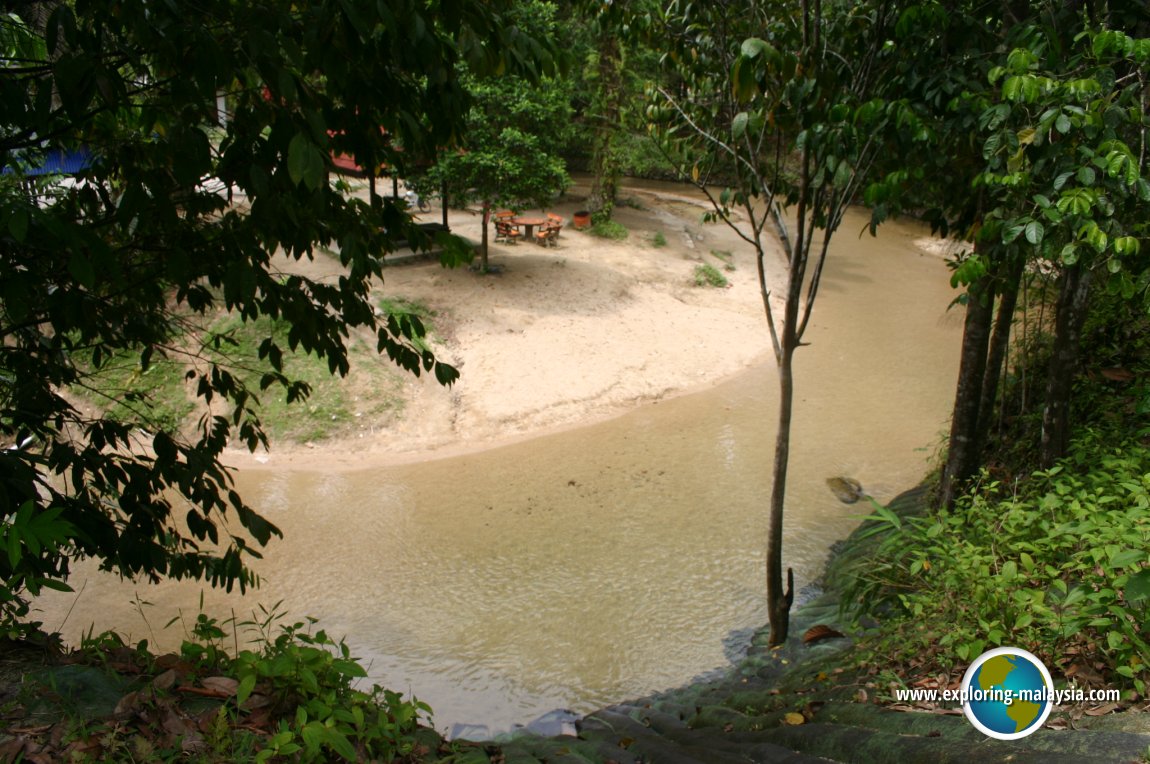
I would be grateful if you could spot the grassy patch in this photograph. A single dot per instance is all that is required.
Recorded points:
(609, 229)
(155, 397)
(658, 240)
(334, 405)
(725, 257)
(708, 275)
(402, 306)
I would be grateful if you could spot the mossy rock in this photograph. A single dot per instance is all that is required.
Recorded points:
(848, 490)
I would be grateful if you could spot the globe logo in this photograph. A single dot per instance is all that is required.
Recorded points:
(1007, 693)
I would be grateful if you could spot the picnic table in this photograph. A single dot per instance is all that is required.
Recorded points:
(529, 222)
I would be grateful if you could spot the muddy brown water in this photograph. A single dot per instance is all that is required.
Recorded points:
(602, 563)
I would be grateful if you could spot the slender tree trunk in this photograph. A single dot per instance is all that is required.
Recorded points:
(483, 237)
(996, 356)
(961, 458)
(1073, 298)
(779, 599)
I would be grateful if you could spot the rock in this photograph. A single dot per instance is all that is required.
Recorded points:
(848, 490)
(557, 722)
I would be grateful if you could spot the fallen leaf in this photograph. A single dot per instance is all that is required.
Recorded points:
(128, 705)
(13, 748)
(165, 681)
(793, 719)
(1103, 710)
(255, 701)
(1118, 375)
(224, 685)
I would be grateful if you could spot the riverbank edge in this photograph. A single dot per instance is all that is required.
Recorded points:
(804, 702)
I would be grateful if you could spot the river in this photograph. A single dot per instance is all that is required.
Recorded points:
(605, 562)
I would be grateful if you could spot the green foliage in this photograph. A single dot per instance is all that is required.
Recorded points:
(708, 275)
(509, 156)
(310, 679)
(415, 313)
(658, 240)
(608, 229)
(156, 397)
(1057, 564)
(324, 404)
(108, 269)
(32, 542)
(291, 696)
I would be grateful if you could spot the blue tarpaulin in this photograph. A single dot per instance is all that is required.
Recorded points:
(57, 162)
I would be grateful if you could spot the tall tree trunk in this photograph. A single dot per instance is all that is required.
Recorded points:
(779, 599)
(604, 158)
(961, 459)
(483, 237)
(1073, 298)
(996, 356)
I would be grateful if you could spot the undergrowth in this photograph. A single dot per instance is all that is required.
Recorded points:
(293, 696)
(609, 229)
(1058, 564)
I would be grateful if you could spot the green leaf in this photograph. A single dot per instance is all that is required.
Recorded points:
(1034, 232)
(18, 224)
(1128, 557)
(305, 162)
(1138, 587)
(340, 744)
(739, 124)
(753, 47)
(82, 270)
(244, 690)
(1062, 124)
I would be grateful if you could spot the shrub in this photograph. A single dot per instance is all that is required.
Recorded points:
(1057, 564)
(609, 229)
(659, 240)
(708, 275)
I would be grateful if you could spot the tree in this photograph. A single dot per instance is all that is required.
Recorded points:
(1014, 166)
(606, 115)
(790, 117)
(144, 243)
(514, 133)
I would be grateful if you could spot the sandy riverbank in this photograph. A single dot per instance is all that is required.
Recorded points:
(559, 337)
